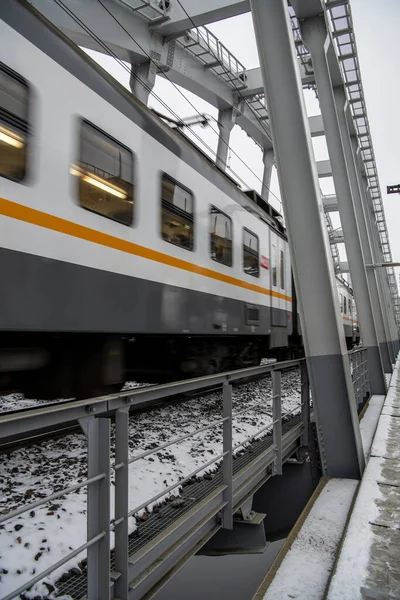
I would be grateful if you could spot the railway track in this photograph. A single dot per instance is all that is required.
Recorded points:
(44, 432)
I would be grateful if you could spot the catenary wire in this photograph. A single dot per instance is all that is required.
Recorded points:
(183, 95)
(108, 51)
(237, 90)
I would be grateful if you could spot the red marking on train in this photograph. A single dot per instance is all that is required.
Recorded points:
(264, 262)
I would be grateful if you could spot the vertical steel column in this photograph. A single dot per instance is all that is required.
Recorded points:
(268, 160)
(143, 78)
(314, 34)
(277, 421)
(227, 511)
(328, 364)
(226, 121)
(375, 258)
(98, 509)
(361, 218)
(381, 271)
(121, 502)
(305, 402)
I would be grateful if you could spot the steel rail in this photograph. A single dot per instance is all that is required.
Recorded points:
(21, 423)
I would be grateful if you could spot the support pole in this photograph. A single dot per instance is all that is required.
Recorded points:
(314, 34)
(226, 121)
(305, 402)
(327, 360)
(143, 78)
(121, 502)
(361, 218)
(227, 511)
(98, 509)
(277, 420)
(268, 160)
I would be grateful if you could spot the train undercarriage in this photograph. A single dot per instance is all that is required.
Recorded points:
(79, 365)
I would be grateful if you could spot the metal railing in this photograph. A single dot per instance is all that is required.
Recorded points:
(104, 582)
(360, 375)
(207, 47)
(108, 578)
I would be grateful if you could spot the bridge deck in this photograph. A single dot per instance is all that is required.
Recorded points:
(364, 555)
(369, 562)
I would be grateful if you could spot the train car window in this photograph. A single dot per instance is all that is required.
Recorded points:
(14, 128)
(104, 172)
(177, 225)
(350, 307)
(220, 237)
(251, 255)
(345, 305)
(282, 270)
(274, 267)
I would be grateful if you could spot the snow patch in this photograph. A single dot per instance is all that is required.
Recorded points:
(305, 570)
(42, 469)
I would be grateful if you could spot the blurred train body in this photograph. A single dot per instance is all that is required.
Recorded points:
(124, 251)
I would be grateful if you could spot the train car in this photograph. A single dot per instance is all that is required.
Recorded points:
(121, 247)
(124, 252)
(348, 312)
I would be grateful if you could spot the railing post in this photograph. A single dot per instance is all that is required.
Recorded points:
(366, 378)
(227, 516)
(356, 377)
(121, 503)
(305, 402)
(277, 421)
(98, 509)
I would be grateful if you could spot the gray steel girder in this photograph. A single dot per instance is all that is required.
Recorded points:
(170, 59)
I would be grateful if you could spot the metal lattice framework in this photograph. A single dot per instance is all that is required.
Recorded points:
(215, 56)
(341, 25)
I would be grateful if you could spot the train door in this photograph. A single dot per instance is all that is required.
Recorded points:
(274, 253)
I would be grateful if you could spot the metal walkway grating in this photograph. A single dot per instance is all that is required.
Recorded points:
(75, 584)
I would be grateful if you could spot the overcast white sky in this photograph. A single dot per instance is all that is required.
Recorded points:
(376, 25)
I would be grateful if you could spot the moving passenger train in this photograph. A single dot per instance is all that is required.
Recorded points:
(124, 251)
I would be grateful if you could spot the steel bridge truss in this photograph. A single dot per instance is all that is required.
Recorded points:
(170, 39)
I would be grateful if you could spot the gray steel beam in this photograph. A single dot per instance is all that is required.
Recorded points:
(316, 126)
(324, 168)
(142, 80)
(268, 160)
(328, 364)
(169, 58)
(121, 495)
(382, 274)
(315, 36)
(330, 203)
(361, 218)
(98, 508)
(226, 121)
(254, 84)
(201, 13)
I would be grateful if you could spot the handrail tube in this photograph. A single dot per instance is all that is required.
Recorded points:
(72, 488)
(49, 570)
(180, 482)
(253, 436)
(175, 441)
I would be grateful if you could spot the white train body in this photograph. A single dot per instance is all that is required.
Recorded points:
(72, 277)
